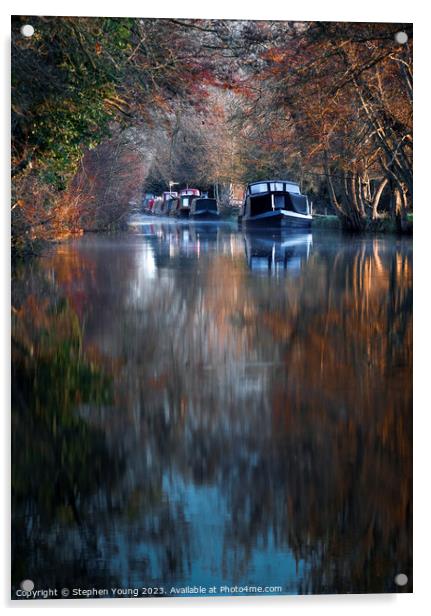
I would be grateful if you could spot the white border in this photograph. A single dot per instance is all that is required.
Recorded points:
(330, 10)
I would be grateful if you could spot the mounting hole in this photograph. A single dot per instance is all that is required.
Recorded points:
(401, 38)
(401, 579)
(27, 585)
(27, 30)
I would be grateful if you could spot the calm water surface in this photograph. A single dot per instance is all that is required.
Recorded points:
(193, 405)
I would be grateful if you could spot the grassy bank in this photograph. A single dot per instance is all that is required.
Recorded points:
(381, 225)
(322, 221)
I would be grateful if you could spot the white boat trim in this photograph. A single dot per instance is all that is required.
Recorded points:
(274, 213)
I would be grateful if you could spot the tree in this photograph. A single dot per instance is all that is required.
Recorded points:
(337, 97)
(75, 81)
(216, 102)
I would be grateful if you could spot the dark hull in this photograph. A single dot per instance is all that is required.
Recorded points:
(279, 221)
(183, 213)
(205, 216)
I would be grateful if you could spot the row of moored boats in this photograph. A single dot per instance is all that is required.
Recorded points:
(187, 203)
(267, 203)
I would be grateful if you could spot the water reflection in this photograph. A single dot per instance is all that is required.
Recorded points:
(181, 418)
(277, 253)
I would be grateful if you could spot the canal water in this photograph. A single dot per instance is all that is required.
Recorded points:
(198, 406)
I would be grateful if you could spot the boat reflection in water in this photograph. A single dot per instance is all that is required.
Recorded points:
(266, 252)
(276, 253)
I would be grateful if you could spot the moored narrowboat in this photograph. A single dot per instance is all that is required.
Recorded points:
(148, 202)
(204, 209)
(174, 205)
(185, 199)
(275, 203)
(165, 203)
(157, 206)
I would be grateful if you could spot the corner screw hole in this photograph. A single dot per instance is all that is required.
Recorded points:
(401, 579)
(27, 585)
(27, 30)
(401, 38)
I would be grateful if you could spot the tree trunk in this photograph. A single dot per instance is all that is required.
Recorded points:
(401, 209)
(377, 196)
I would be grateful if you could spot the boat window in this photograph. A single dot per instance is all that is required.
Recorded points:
(293, 188)
(300, 204)
(279, 202)
(288, 205)
(186, 201)
(276, 186)
(255, 189)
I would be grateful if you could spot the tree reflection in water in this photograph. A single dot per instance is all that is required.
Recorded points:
(186, 416)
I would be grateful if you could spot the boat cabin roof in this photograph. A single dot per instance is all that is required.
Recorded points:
(263, 186)
(190, 192)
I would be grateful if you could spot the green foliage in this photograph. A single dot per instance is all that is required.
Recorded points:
(76, 82)
(60, 85)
